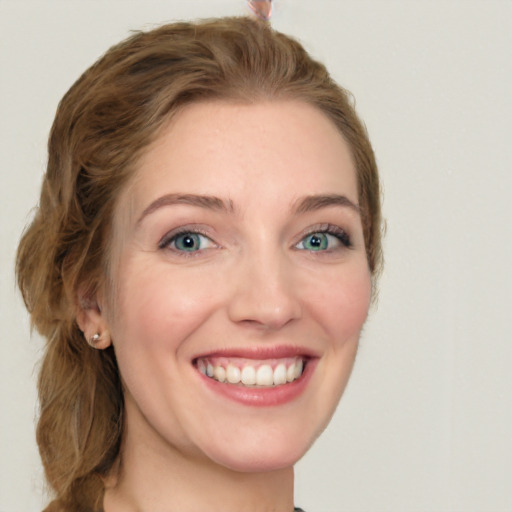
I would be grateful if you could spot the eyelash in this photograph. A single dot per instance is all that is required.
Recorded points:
(327, 229)
(169, 238)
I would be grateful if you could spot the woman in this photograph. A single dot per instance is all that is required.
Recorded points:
(201, 263)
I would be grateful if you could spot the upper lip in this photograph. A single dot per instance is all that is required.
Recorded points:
(260, 353)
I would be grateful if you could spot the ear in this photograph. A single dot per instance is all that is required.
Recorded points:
(92, 322)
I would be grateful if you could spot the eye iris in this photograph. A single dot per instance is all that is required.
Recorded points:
(316, 242)
(187, 242)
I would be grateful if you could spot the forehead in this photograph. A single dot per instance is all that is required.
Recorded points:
(275, 150)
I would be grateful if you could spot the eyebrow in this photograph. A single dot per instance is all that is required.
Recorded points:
(317, 202)
(206, 202)
(303, 205)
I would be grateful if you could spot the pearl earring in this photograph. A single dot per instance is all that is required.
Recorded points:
(94, 339)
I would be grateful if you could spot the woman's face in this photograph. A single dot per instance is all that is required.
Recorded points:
(238, 260)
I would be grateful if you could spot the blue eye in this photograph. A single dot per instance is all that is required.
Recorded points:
(316, 242)
(324, 241)
(187, 242)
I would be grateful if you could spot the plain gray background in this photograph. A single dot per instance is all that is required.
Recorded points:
(426, 422)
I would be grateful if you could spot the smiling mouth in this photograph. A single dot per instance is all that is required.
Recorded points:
(252, 373)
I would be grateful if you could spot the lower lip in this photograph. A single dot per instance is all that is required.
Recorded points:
(262, 397)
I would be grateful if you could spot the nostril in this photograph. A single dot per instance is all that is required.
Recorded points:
(272, 313)
(264, 293)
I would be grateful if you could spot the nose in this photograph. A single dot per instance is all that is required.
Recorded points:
(264, 293)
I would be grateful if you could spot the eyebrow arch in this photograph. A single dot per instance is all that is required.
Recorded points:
(312, 203)
(207, 202)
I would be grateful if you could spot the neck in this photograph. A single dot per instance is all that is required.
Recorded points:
(150, 479)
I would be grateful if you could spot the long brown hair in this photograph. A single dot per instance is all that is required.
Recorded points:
(102, 126)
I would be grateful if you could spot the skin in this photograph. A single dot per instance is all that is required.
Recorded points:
(254, 282)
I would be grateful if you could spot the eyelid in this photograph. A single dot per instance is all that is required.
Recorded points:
(182, 230)
(329, 229)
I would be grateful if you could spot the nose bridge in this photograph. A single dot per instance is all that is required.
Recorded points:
(264, 289)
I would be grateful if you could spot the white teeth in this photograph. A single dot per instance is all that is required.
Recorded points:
(280, 374)
(265, 375)
(249, 376)
(299, 366)
(233, 374)
(290, 373)
(219, 373)
(255, 374)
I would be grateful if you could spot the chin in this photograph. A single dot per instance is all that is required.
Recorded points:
(254, 454)
(261, 462)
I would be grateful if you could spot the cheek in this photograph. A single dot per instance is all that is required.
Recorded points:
(156, 308)
(344, 303)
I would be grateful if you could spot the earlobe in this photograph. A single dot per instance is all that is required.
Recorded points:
(92, 323)
(99, 340)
